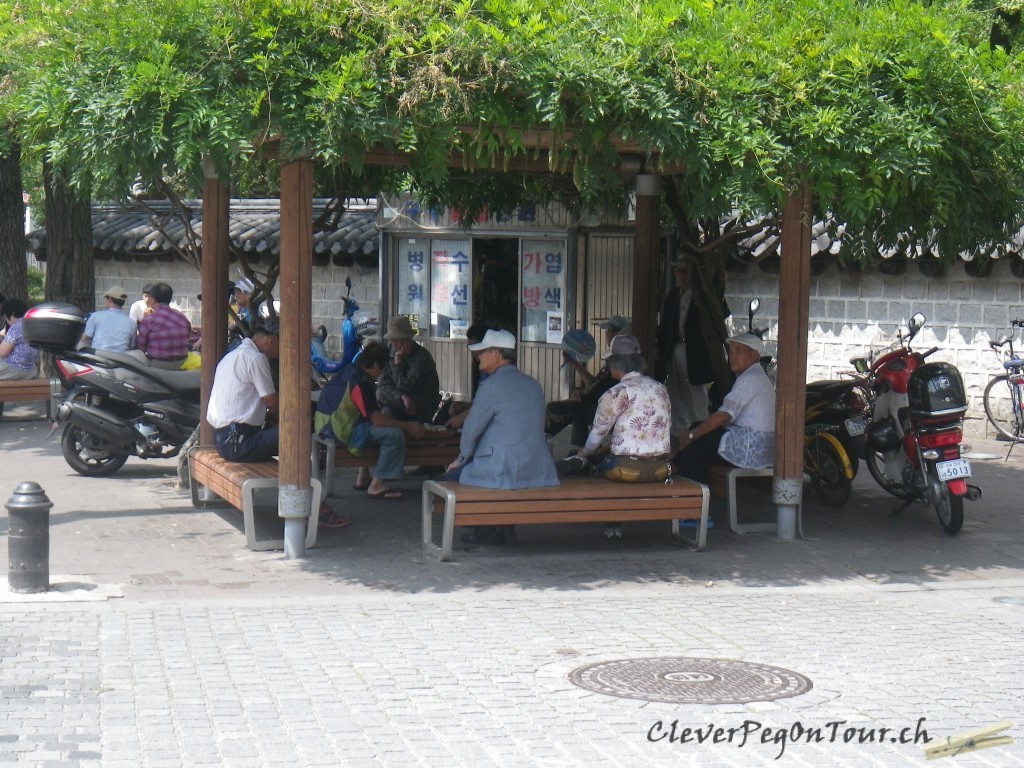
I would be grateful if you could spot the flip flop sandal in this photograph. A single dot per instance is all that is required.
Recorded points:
(386, 495)
(334, 520)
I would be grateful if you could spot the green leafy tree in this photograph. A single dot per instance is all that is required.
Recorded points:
(903, 118)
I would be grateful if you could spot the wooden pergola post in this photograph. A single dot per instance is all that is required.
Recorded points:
(645, 262)
(790, 383)
(295, 498)
(214, 281)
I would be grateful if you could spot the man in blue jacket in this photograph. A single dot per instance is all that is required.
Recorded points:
(503, 443)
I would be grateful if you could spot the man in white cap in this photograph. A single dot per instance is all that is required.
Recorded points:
(503, 443)
(409, 388)
(742, 432)
(110, 328)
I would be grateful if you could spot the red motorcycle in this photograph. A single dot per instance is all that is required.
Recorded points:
(913, 440)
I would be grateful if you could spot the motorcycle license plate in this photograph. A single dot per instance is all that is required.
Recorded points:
(953, 470)
(856, 426)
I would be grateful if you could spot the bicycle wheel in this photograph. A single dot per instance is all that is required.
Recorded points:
(893, 485)
(999, 410)
(824, 465)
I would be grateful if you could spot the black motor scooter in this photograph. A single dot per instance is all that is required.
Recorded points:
(115, 405)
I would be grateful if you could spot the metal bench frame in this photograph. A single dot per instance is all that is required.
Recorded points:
(728, 477)
(255, 477)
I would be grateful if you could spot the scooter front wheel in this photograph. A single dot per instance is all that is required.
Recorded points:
(950, 509)
(893, 485)
(89, 455)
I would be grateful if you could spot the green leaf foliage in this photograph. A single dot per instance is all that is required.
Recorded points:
(901, 116)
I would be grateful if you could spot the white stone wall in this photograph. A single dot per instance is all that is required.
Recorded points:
(328, 288)
(848, 315)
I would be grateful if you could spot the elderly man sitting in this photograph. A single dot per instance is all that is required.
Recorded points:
(742, 432)
(408, 388)
(503, 443)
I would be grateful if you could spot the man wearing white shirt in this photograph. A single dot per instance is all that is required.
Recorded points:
(243, 405)
(139, 309)
(742, 432)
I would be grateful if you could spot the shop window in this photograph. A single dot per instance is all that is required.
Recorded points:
(444, 285)
(543, 290)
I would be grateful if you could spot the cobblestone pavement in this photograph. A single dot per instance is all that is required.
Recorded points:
(164, 642)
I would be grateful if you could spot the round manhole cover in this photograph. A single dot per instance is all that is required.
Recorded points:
(690, 681)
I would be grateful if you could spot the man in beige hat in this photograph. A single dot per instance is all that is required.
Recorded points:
(408, 389)
(110, 328)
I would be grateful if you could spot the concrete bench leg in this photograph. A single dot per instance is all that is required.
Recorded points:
(331, 449)
(249, 488)
(700, 537)
(443, 552)
(732, 499)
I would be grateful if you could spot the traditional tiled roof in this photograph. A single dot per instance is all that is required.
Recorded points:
(145, 232)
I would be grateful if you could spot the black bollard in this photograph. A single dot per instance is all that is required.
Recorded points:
(28, 539)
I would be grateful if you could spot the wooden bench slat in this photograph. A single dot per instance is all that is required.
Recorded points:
(557, 506)
(580, 516)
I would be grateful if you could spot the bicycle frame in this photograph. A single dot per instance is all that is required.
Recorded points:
(1009, 426)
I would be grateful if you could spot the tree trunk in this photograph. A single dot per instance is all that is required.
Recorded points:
(70, 274)
(13, 270)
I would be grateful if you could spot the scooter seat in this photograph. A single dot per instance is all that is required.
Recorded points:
(828, 389)
(182, 381)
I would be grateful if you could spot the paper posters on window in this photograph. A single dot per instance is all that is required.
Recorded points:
(412, 275)
(543, 285)
(555, 324)
(450, 277)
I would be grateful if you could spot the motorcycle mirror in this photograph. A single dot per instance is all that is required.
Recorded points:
(916, 323)
(348, 283)
(755, 304)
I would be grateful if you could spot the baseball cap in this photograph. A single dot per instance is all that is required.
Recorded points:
(623, 344)
(116, 292)
(615, 322)
(492, 339)
(748, 340)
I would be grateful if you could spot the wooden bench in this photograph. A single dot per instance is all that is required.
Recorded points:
(576, 500)
(722, 483)
(437, 448)
(236, 483)
(32, 391)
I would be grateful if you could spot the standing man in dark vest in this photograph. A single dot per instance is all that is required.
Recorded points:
(683, 360)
